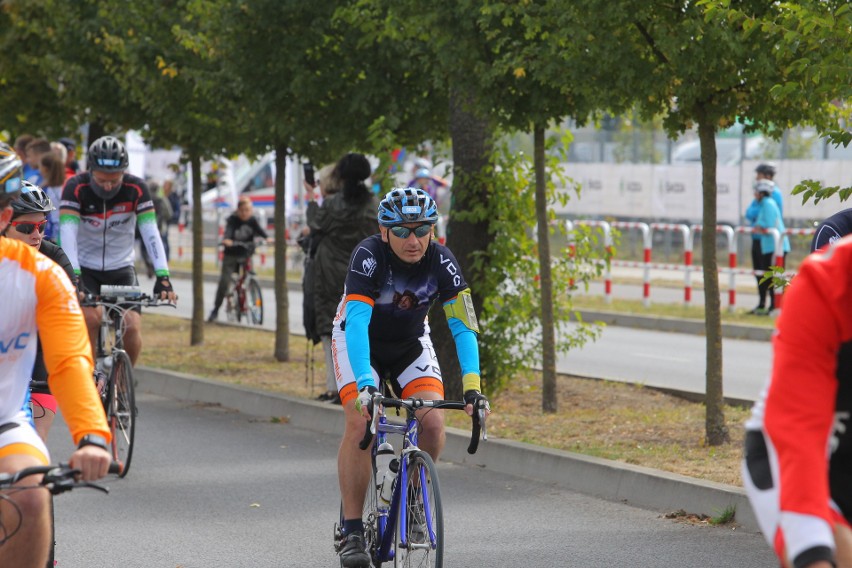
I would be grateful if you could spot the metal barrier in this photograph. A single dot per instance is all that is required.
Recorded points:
(687, 233)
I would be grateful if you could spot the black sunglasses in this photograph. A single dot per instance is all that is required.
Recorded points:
(26, 228)
(403, 232)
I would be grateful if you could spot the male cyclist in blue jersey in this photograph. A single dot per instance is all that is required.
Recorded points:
(381, 332)
(97, 226)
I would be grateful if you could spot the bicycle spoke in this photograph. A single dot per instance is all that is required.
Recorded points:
(419, 540)
(121, 413)
(255, 300)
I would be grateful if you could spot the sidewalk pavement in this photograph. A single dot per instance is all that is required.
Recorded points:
(638, 486)
(637, 321)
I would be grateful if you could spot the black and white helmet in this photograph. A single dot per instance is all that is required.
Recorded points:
(107, 154)
(32, 199)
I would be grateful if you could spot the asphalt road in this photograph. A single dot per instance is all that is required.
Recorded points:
(213, 488)
(659, 359)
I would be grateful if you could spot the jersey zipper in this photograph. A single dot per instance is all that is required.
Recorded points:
(103, 249)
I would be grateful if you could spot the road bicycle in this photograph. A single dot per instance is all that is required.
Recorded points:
(118, 390)
(56, 479)
(403, 514)
(244, 298)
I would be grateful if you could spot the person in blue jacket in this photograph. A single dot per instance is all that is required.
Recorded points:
(768, 216)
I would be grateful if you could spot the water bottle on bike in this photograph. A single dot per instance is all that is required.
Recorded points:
(384, 456)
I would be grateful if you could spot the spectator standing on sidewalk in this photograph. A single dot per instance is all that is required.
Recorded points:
(344, 219)
(768, 217)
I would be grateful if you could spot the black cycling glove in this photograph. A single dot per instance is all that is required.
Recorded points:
(477, 399)
(162, 285)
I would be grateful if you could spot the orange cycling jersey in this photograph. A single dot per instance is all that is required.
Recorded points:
(39, 300)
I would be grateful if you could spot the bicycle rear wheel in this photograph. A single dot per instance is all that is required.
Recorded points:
(419, 539)
(255, 302)
(121, 409)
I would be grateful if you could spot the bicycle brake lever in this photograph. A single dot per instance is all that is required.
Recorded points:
(375, 417)
(482, 415)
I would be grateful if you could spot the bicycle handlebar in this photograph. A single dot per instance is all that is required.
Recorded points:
(57, 478)
(144, 300)
(412, 404)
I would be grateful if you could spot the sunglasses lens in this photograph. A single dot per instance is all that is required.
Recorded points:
(403, 232)
(28, 228)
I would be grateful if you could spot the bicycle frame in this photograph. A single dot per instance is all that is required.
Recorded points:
(399, 499)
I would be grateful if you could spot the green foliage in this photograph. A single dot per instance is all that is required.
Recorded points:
(510, 337)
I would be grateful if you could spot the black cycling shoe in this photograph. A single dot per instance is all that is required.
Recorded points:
(353, 552)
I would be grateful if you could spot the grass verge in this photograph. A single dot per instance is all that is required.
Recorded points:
(611, 420)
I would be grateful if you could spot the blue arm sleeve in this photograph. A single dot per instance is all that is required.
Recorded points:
(466, 346)
(358, 316)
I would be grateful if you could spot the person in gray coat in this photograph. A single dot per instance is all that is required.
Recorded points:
(342, 221)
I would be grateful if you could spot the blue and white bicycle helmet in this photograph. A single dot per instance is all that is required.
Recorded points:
(407, 205)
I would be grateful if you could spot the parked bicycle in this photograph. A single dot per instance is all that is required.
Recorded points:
(118, 390)
(244, 299)
(403, 514)
(56, 479)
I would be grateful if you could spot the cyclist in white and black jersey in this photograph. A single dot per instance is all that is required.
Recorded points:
(98, 216)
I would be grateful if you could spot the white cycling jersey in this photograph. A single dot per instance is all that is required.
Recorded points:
(100, 234)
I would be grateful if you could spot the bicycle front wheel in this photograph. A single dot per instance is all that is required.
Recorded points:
(419, 539)
(255, 302)
(121, 409)
(233, 308)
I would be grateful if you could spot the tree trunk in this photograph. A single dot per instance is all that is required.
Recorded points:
(549, 397)
(466, 234)
(282, 302)
(95, 131)
(715, 429)
(197, 326)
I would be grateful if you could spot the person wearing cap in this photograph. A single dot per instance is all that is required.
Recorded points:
(40, 301)
(98, 216)
(71, 165)
(762, 172)
(768, 217)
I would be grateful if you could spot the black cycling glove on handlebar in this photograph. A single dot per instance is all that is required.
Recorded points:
(477, 399)
(162, 285)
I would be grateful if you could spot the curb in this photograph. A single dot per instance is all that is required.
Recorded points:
(615, 481)
(655, 323)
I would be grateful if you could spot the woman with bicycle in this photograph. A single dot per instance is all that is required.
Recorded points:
(373, 337)
(241, 231)
(29, 220)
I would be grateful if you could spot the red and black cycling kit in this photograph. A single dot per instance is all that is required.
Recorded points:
(798, 463)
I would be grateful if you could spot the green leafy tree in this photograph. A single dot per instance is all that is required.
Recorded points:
(695, 65)
(58, 71)
(813, 44)
(165, 59)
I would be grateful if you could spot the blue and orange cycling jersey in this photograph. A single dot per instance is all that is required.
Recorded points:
(390, 299)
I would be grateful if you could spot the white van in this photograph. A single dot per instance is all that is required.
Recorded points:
(257, 180)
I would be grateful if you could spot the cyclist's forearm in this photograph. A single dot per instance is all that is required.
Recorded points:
(467, 350)
(358, 341)
(69, 225)
(147, 222)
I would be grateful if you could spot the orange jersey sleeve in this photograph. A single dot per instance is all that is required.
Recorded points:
(67, 351)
